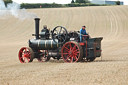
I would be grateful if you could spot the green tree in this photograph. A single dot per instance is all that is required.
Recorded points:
(117, 2)
(82, 1)
(72, 1)
(7, 1)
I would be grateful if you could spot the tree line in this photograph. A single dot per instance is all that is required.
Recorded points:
(74, 3)
(54, 5)
(80, 1)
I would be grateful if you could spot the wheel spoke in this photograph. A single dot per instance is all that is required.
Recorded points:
(60, 30)
(22, 53)
(29, 54)
(65, 53)
(28, 59)
(66, 48)
(76, 54)
(71, 59)
(21, 57)
(24, 59)
(68, 57)
(25, 50)
(74, 48)
(56, 32)
(62, 38)
(75, 57)
(70, 46)
(75, 51)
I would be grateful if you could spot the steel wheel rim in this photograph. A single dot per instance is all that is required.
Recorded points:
(70, 52)
(24, 55)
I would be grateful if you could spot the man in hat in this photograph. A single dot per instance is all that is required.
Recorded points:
(46, 31)
(83, 34)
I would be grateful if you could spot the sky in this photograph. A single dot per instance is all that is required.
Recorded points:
(56, 1)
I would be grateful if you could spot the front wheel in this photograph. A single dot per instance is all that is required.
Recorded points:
(26, 55)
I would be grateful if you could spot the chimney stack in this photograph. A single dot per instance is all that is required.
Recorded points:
(37, 27)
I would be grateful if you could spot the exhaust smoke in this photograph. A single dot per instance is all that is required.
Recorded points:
(13, 9)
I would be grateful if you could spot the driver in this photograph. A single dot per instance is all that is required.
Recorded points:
(82, 33)
(46, 31)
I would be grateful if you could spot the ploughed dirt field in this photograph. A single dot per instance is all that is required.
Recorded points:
(110, 22)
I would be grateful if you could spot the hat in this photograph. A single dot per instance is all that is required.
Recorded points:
(45, 26)
(83, 26)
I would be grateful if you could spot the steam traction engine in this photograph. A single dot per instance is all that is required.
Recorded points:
(60, 44)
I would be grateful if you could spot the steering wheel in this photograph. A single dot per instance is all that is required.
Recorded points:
(59, 34)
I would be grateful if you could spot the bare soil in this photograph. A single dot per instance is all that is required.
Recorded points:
(110, 22)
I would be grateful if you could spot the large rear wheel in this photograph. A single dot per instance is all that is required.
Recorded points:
(72, 52)
(26, 55)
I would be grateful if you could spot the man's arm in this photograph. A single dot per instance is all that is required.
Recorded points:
(80, 31)
(80, 35)
(86, 33)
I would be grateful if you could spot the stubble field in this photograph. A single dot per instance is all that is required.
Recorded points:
(110, 22)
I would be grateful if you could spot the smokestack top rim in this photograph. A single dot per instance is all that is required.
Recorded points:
(37, 18)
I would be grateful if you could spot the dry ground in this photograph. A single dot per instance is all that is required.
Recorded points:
(110, 22)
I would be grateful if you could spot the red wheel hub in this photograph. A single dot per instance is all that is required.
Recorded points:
(26, 55)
